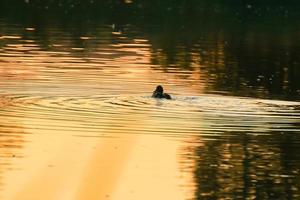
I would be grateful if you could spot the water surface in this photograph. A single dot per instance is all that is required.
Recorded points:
(78, 120)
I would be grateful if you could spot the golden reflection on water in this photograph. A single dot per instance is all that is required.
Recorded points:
(78, 123)
(105, 165)
(60, 159)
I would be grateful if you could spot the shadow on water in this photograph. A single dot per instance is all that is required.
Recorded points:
(254, 154)
(244, 167)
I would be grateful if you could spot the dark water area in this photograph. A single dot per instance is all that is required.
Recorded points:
(246, 49)
(81, 73)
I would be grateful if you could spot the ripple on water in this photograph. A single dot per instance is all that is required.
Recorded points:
(181, 117)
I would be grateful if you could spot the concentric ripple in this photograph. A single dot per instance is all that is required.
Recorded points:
(183, 116)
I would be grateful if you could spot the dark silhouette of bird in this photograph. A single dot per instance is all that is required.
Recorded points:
(159, 93)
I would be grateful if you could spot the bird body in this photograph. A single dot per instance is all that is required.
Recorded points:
(159, 93)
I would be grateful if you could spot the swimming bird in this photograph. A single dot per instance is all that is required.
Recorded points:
(159, 93)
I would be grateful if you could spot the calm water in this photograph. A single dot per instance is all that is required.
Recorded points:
(77, 120)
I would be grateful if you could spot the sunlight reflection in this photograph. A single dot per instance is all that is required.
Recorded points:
(78, 120)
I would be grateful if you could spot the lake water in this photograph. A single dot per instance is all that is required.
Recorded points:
(78, 120)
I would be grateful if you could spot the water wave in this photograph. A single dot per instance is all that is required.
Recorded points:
(134, 114)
